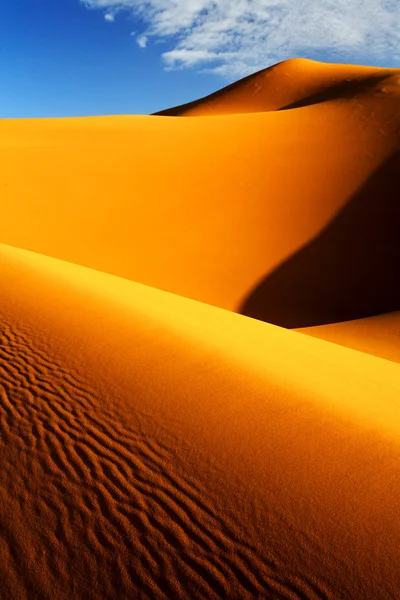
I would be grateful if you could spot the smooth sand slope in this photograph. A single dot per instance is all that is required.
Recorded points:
(378, 335)
(214, 208)
(153, 446)
(288, 84)
(156, 447)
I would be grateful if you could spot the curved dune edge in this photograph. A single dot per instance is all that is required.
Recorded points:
(379, 336)
(289, 84)
(209, 217)
(158, 446)
(348, 271)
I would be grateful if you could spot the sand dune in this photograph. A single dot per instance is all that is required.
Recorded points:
(379, 335)
(290, 84)
(154, 443)
(210, 209)
(157, 447)
(348, 271)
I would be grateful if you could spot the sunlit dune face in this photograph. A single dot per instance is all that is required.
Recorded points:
(158, 447)
(205, 208)
(379, 335)
(156, 444)
(290, 83)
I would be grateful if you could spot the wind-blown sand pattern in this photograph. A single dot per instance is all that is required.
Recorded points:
(154, 442)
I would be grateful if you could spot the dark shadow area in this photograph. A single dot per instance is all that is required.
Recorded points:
(343, 90)
(175, 111)
(349, 271)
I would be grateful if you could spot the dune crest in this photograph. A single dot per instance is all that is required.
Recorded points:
(379, 335)
(234, 199)
(289, 84)
(146, 451)
(154, 443)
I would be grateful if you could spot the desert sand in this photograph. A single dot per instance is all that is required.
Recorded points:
(222, 209)
(289, 84)
(379, 335)
(165, 434)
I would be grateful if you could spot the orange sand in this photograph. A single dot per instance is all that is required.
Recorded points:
(155, 444)
(158, 447)
(209, 208)
(291, 84)
(378, 335)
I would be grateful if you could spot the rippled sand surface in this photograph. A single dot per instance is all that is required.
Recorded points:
(164, 434)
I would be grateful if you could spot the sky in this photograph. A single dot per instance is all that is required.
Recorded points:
(62, 58)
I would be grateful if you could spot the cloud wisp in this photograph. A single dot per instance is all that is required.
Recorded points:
(236, 37)
(142, 41)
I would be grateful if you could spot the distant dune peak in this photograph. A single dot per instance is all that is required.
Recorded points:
(287, 84)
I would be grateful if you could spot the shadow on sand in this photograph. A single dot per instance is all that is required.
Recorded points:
(342, 90)
(350, 270)
(349, 88)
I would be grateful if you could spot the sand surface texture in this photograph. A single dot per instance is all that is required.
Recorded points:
(299, 205)
(378, 335)
(156, 442)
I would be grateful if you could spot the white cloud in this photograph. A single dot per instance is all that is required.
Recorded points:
(110, 17)
(142, 41)
(236, 37)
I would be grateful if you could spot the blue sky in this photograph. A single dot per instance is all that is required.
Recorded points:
(94, 57)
